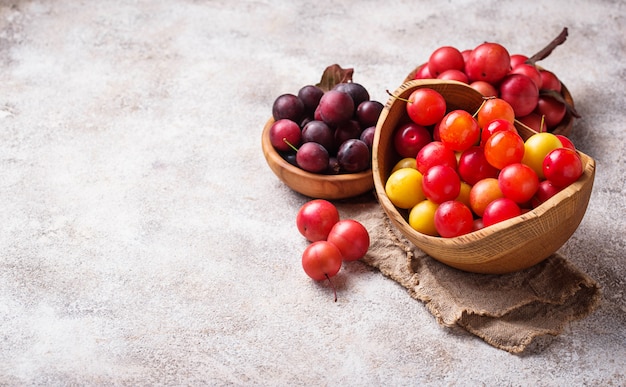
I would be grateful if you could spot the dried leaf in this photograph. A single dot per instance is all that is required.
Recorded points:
(544, 52)
(559, 97)
(333, 75)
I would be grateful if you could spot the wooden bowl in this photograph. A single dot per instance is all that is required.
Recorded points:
(505, 247)
(564, 128)
(314, 185)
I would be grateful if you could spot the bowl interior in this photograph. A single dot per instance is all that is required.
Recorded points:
(505, 247)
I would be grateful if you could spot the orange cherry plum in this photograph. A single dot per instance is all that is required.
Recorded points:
(504, 148)
(494, 108)
(482, 193)
(458, 130)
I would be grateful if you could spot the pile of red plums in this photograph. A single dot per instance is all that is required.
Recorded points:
(535, 94)
(333, 240)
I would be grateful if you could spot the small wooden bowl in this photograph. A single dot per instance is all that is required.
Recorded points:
(314, 185)
(564, 128)
(505, 247)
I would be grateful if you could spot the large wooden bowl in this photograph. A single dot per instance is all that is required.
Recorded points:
(314, 185)
(505, 247)
(564, 128)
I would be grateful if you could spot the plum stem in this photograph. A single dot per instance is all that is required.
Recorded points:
(332, 286)
(481, 105)
(396, 97)
(290, 144)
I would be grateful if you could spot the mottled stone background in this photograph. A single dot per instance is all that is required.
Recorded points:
(144, 240)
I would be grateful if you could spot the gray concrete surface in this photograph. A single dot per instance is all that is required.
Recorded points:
(144, 241)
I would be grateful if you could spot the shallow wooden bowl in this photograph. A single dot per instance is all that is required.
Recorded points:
(508, 246)
(314, 185)
(564, 128)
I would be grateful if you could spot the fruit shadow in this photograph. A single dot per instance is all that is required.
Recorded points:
(343, 280)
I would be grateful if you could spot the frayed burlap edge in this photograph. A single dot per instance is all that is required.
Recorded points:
(506, 311)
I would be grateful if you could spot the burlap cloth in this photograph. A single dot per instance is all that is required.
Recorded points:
(506, 311)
